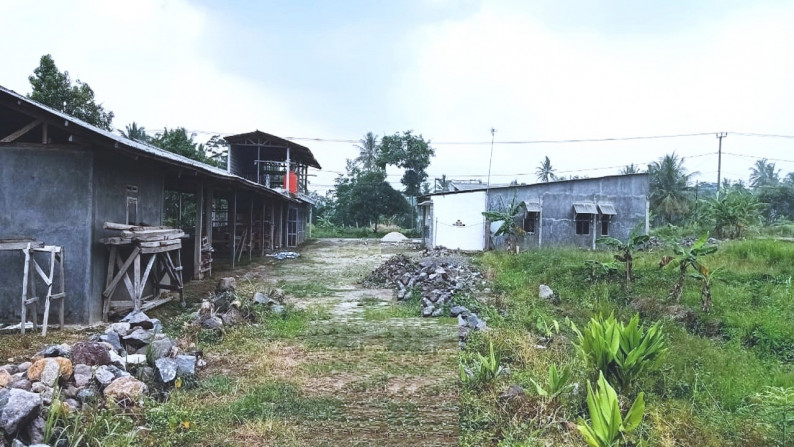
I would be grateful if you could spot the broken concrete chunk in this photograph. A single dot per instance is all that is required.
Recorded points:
(228, 284)
(138, 338)
(545, 292)
(186, 365)
(128, 390)
(165, 369)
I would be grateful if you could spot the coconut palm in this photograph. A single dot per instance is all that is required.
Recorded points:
(368, 152)
(545, 172)
(630, 169)
(763, 173)
(670, 194)
(133, 132)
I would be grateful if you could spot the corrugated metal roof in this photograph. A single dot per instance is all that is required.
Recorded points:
(607, 208)
(585, 208)
(121, 142)
(532, 206)
(300, 152)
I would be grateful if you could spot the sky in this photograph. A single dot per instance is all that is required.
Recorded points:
(327, 72)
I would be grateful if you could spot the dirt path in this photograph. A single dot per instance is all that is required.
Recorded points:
(386, 376)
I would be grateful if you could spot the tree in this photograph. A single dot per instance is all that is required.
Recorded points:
(177, 141)
(687, 257)
(365, 196)
(368, 152)
(670, 197)
(630, 169)
(55, 89)
(635, 240)
(410, 152)
(545, 172)
(509, 227)
(133, 132)
(733, 212)
(763, 174)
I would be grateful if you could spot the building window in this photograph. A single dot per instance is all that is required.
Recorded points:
(132, 205)
(530, 222)
(605, 219)
(583, 223)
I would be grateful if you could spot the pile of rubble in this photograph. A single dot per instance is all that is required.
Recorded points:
(113, 366)
(439, 277)
(225, 308)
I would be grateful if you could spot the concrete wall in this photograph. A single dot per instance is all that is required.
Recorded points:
(557, 219)
(111, 179)
(46, 194)
(457, 220)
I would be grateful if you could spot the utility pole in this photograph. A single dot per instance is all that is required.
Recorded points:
(490, 160)
(720, 135)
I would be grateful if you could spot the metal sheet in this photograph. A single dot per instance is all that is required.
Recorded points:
(532, 206)
(607, 209)
(585, 208)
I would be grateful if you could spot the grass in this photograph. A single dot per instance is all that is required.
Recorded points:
(699, 395)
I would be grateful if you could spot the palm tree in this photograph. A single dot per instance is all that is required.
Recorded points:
(133, 132)
(368, 152)
(763, 174)
(670, 196)
(630, 169)
(545, 172)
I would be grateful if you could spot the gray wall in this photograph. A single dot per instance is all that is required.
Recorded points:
(557, 225)
(46, 194)
(110, 198)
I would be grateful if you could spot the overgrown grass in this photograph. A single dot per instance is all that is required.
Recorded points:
(716, 362)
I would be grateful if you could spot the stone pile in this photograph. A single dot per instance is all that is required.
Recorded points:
(225, 308)
(112, 366)
(437, 277)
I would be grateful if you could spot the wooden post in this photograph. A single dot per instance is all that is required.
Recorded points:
(197, 234)
(251, 227)
(209, 199)
(262, 229)
(233, 222)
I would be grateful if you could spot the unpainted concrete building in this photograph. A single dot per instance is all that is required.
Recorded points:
(61, 179)
(568, 212)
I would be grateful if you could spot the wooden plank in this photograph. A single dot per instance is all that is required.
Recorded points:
(127, 281)
(63, 287)
(116, 240)
(19, 132)
(136, 278)
(122, 270)
(141, 233)
(116, 226)
(48, 297)
(150, 250)
(20, 244)
(147, 271)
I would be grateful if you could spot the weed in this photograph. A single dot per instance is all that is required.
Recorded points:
(483, 370)
(556, 384)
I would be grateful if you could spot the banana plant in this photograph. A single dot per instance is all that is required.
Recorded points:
(706, 277)
(627, 248)
(508, 217)
(557, 383)
(607, 427)
(686, 257)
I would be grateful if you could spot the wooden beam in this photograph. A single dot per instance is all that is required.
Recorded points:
(19, 132)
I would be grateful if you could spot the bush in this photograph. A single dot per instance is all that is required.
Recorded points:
(622, 352)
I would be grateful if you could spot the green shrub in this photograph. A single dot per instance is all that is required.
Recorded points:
(608, 426)
(556, 384)
(622, 352)
(483, 370)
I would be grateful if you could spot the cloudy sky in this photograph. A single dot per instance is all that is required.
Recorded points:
(448, 69)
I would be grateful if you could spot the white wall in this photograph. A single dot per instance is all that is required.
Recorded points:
(466, 207)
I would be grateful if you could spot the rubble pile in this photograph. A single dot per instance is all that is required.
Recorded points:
(437, 277)
(113, 366)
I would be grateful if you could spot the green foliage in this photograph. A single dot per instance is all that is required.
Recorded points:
(607, 427)
(53, 88)
(706, 277)
(733, 212)
(364, 197)
(773, 408)
(368, 152)
(763, 173)
(179, 142)
(409, 152)
(635, 240)
(687, 257)
(621, 351)
(670, 196)
(509, 217)
(545, 172)
(133, 132)
(483, 370)
(547, 329)
(557, 383)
